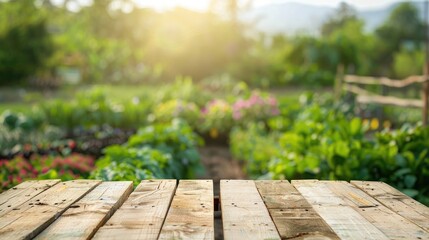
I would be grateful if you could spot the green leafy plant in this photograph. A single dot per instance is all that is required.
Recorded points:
(155, 151)
(166, 112)
(216, 118)
(324, 143)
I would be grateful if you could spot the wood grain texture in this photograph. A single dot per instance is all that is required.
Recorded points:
(397, 202)
(29, 219)
(244, 214)
(23, 192)
(191, 213)
(142, 214)
(86, 216)
(346, 222)
(293, 216)
(391, 224)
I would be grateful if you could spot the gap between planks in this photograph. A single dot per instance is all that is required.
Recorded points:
(22, 193)
(29, 219)
(86, 216)
(293, 216)
(396, 201)
(346, 222)
(244, 214)
(397, 227)
(191, 213)
(142, 214)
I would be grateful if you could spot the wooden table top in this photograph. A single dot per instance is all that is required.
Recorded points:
(185, 209)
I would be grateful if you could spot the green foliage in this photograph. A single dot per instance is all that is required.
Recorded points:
(93, 108)
(156, 151)
(166, 112)
(183, 89)
(25, 44)
(17, 130)
(343, 15)
(407, 63)
(216, 117)
(255, 146)
(403, 28)
(324, 143)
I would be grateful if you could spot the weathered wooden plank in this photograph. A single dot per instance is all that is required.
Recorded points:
(142, 214)
(244, 214)
(86, 216)
(385, 81)
(29, 219)
(23, 192)
(293, 216)
(391, 224)
(397, 202)
(346, 222)
(388, 100)
(191, 214)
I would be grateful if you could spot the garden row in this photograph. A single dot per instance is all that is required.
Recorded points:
(158, 136)
(322, 142)
(152, 136)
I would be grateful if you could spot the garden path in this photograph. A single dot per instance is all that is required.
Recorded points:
(219, 164)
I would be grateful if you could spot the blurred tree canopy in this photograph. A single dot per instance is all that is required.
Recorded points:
(25, 44)
(344, 14)
(115, 41)
(403, 29)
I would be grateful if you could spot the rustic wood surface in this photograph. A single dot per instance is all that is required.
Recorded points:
(86, 216)
(343, 219)
(142, 215)
(397, 227)
(191, 214)
(244, 214)
(171, 209)
(397, 202)
(29, 219)
(293, 216)
(20, 194)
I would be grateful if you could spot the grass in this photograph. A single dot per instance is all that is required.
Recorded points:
(16, 107)
(18, 102)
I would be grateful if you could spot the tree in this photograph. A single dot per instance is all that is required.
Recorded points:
(25, 43)
(339, 19)
(403, 29)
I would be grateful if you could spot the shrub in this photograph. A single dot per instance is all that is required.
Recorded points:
(216, 117)
(166, 112)
(156, 151)
(255, 108)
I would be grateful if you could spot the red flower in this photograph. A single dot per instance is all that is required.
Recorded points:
(72, 144)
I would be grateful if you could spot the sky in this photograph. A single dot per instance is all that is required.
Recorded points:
(202, 4)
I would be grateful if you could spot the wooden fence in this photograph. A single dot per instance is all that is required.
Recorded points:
(350, 83)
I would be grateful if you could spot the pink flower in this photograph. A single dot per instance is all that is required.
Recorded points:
(236, 115)
(272, 101)
(23, 172)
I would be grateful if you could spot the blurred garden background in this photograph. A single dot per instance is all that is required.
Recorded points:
(132, 90)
